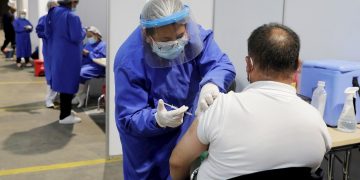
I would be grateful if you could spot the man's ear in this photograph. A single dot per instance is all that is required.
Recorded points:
(299, 63)
(249, 65)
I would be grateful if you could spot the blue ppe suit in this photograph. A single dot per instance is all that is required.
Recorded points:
(138, 87)
(64, 33)
(40, 31)
(23, 42)
(90, 69)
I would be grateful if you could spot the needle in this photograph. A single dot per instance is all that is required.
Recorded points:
(174, 107)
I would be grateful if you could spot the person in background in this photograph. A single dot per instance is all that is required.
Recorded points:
(168, 59)
(40, 30)
(264, 127)
(94, 48)
(65, 34)
(23, 28)
(9, 32)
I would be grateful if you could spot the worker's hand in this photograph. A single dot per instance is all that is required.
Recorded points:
(165, 118)
(209, 92)
(85, 52)
(28, 27)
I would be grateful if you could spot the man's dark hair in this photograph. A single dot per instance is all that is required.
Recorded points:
(274, 49)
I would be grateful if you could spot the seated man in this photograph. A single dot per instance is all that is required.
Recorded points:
(95, 48)
(265, 127)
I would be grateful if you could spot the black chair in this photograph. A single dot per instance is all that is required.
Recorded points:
(292, 173)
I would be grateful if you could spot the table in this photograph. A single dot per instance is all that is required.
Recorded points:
(342, 141)
(100, 61)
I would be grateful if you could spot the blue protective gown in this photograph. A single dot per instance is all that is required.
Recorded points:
(90, 69)
(147, 147)
(65, 34)
(23, 42)
(40, 31)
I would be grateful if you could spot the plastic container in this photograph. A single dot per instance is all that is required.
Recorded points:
(39, 67)
(347, 121)
(9, 54)
(318, 99)
(338, 75)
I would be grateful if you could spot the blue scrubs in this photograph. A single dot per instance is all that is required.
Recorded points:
(40, 31)
(90, 69)
(23, 42)
(65, 35)
(147, 147)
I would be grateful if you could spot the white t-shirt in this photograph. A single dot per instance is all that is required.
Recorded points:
(267, 126)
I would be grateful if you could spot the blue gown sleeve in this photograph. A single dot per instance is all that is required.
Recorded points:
(98, 52)
(134, 115)
(215, 66)
(32, 27)
(18, 26)
(40, 28)
(76, 32)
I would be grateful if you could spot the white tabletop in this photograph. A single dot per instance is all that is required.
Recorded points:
(340, 138)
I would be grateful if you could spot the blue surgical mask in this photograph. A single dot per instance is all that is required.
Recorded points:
(92, 40)
(171, 49)
(73, 9)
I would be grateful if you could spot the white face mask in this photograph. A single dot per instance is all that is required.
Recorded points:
(171, 49)
(22, 16)
(92, 40)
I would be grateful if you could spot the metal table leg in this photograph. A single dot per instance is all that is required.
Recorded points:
(346, 167)
(330, 166)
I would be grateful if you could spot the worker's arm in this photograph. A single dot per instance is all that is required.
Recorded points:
(98, 52)
(40, 28)
(76, 32)
(188, 150)
(18, 27)
(215, 66)
(29, 26)
(134, 113)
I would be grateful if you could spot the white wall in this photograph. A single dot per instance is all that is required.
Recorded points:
(21, 4)
(123, 18)
(94, 13)
(328, 29)
(235, 20)
(36, 9)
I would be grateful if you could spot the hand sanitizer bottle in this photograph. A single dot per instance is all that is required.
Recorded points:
(347, 121)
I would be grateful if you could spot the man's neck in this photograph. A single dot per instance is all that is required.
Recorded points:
(288, 80)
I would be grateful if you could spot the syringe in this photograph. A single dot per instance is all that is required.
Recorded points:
(174, 107)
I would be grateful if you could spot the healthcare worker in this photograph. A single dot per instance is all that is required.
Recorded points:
(23, 28)
(168, 59)
(40, 30)
(94, 48)
(65, 34)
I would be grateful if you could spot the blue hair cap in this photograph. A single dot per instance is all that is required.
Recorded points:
(176, 17)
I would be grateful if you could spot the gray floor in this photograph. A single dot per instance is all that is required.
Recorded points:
(30, 134)
(354, 166)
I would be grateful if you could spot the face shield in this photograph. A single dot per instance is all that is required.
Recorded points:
(171, 40)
